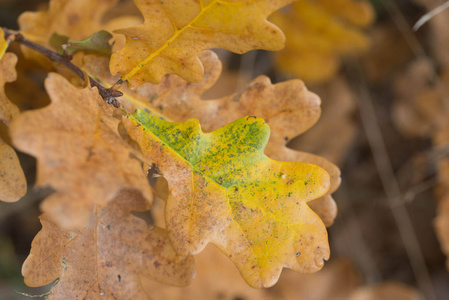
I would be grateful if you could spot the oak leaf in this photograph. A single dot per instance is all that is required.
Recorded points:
(224, 190)
(79, 152)
(318, 33)
(12, 179)
(175, 31)
(288, 107)
(108, 258)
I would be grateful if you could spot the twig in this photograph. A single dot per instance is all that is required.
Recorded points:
(109, 95)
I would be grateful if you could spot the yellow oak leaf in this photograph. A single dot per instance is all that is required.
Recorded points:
(12, 180)
(108, 258)
(225, 190)
(77, 19)
(318, 33)
(79, 151)
(288, 108)
(175, 31)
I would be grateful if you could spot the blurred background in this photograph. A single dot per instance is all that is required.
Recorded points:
(385, 122)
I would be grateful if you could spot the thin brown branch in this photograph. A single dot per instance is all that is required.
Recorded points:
(109, 95)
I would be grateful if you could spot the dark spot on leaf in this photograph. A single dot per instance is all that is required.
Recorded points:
(297, 254)
(119, 278)
(156, 264)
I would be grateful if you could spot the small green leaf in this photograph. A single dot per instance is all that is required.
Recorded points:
(97, 42)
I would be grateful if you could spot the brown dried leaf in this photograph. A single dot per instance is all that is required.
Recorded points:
(12, 180)
(7, 74)
(289, 108)
(108, 258)
(79, 152)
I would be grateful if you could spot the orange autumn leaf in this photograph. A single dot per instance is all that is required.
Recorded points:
(318, 33)
(288, 108)
(79, 152)
(108, 258)
(12, 179)
(175, 31)
(225, 191)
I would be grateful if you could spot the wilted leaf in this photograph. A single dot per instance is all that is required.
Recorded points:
(108, 258)
(176, 30)
(79, 152)
(288, 107)
(97, 42)
(77, 19)
(318, 33)
(12, 180)
(224, 190)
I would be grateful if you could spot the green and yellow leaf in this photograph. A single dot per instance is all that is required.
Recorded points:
(225, 190)
(176, 30)
(289, 108)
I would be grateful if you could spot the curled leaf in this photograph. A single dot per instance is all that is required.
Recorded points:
(97, 43)
(77, 19)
